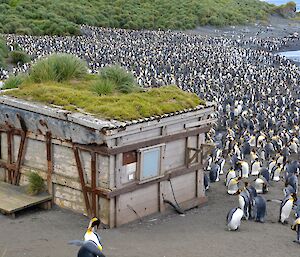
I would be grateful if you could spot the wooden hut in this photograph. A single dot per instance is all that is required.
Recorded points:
(119, 171)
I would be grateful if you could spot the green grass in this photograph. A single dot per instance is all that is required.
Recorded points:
(4, 51)
(36, 184)
(61, 17)
(18, 56)
(80, 95)
(123, 81)
(58, 67)
(14, 81)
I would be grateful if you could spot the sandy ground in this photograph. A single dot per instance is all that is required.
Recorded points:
(201, 232)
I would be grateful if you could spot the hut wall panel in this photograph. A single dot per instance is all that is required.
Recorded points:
(85, 158)
(174, 155)
(35, 154)
(184, 188)
(104, 209)
(173, 128)
(16, 145)
(64, 162)
(3, 146)
(143, 201)
(103, 171)
(193, 142)
(141, 136)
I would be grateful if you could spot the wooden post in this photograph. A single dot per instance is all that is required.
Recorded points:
(93, 183)
(9, 155)
(21, 153)
(49, 161)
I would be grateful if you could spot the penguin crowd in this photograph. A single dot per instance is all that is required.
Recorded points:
(257, 138)
(194, 62)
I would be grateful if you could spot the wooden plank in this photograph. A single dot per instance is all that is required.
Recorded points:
(13, 198)
(171, 174)
(9, 156)
(105, 150)
(158, 140)
(93, 183)
(49, 161)
(0, 145)
(199, 123)
(21, 153)
(82, 181)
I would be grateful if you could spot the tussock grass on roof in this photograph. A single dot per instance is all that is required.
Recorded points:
(80, 96)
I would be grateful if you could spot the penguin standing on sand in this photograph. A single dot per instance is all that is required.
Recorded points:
(261, 185)
(296, 223)
(286, 208)
(293, 181)
(233, 187)
(255, 167)
(244, 203)
(206, 182)
(91, 246)
(288, 190)
(276, 171)
(234, 217)
(259, 209)
(214, 173)
(230, 174)
(296, 227)
(91, 235)
(244, 168)
(221, 163)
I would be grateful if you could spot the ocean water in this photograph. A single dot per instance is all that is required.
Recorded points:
(279, 2)
(293, 55)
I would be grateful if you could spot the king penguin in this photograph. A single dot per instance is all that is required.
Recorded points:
(234, 217)
(286, 208)
(255, 167)
(244, 203)
(244, 167)
(91, 246)
(296, 227)
(91, 235)
(259, 208)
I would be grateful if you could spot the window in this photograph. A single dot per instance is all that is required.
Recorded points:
(150, 162)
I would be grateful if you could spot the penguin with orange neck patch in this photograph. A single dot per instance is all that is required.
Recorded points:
(91, 246)
(91, 235)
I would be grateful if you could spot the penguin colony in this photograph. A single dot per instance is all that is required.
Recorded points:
(260, 157)
(257, 95)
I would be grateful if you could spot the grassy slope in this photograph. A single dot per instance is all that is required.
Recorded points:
(3, 52)
(62, 16)
(79, 95)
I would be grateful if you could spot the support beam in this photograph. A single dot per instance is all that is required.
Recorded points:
(49, 161)
(82, 181)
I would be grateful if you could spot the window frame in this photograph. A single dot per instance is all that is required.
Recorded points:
(140, 163)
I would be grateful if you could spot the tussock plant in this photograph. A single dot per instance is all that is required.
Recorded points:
(19, 57)
(58, 67)
(36, 184)
(124, 81)
(14, 81)
(103, 87)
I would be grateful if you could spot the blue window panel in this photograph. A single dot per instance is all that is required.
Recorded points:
(151, 163)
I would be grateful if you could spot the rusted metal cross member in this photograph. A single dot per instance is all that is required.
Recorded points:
(90, 191)
(12, 175)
